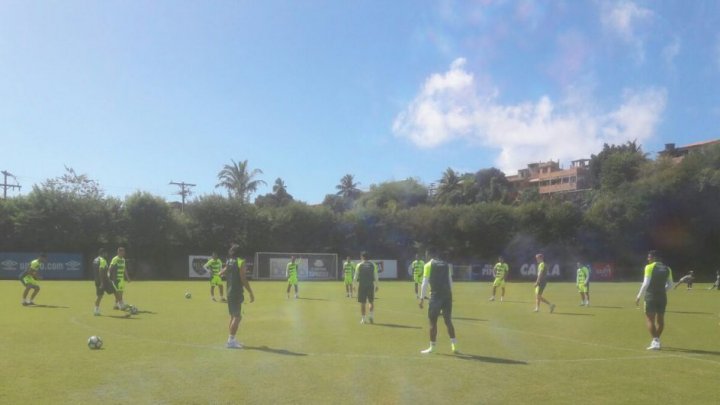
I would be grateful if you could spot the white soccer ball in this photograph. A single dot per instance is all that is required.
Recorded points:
(188, 295)
(133, 309)
(94, 342)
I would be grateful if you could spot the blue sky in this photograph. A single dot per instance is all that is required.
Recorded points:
(138, 94)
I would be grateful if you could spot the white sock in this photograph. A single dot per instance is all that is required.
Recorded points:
(453, 340)
(231, 338)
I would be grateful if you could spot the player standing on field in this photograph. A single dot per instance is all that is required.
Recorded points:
(366, 275)
(348, 268)
(29, 279)
(291, 272)
(717, 281)
(688, 278)
(418, 267)
(102, 282)
(541, 283)
(656, 283)
(237, 283)
(500, 271)
(214, 265)
(583, 279)
(438, 276)
(119, 277)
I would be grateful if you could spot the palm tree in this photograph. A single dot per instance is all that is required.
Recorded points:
(279, 187)
(347, 187)
(238, 181)
(450, 187)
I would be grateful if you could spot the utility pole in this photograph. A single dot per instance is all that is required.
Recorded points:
(5, 184)
(184, 191)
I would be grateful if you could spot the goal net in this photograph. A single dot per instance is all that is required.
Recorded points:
(311, 266)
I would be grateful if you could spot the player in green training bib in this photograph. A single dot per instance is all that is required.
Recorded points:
(438, 276)
(500, 271)
(29, 279)
(291, 272)
(583, 280)
(348, 270)
(102, 282)
(417, 266)
(657, 281)
(541, 283)
(119, 277)
(214, 265)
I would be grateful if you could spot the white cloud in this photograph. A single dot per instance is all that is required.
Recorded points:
(624, 19)
(451, 107)
(670, 52)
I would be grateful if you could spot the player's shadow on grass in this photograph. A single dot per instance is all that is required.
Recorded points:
(120, 316)
(463, 318)
(693, 351)
(46, 306)
(266, 349)
(312, 299)
(691, 312)
(487, 359)
(394, 325)
(144, 311)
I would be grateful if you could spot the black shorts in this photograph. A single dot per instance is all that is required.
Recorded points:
(235, 305)
(101, 289)
(655, 305)
(366, 294)
(440, 305)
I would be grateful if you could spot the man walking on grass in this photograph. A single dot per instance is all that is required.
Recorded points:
(438, 276)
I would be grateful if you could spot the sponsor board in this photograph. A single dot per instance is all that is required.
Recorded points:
(59, 266)
(387, 269)
(602, 271)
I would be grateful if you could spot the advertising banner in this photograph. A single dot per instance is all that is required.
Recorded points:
(59, 266)
(528, 271)
(195, 265)
(602, 272)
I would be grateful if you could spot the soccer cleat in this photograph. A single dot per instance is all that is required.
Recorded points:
(502, 299)
(654, 345)
(491, 299)
(223, 299)
(25, 303)
(96, 313)
(536, 310)
(296, 296)
(31, 302)
(429, 350)
(454, 348)
(234, 344)
(213, 298)
(552, 308)
(362, 321)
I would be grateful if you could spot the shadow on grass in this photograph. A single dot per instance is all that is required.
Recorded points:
(121, 316)
(487, 359)
(312, 299)
(394, 325)
(462, 318)
(690, 312)
(693, 351)
(45, 306)
(572, 313)
(144, 311)
(266, 349)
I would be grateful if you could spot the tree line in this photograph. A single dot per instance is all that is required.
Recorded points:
(636, 204)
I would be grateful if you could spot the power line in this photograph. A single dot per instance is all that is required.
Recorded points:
(5, 184)
(184, 191)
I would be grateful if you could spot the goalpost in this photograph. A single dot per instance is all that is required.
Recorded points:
(311, 266)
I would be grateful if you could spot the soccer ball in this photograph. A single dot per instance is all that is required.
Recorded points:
(188, 295)
(94, 342)
(133, 309)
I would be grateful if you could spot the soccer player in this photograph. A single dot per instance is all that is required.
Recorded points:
(366, 275)
(418, 266)
(119, 277)
(500, 271)
(291, 272)
(214, 265)
(29, 278)
(582, 280)
(438, 275)
(541, 283)
(657, 282)
(102, 282)
(348, 267)
(717, 281)
(237, 283)
(688, 278)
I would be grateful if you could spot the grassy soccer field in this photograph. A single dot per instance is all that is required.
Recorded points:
(313, 350)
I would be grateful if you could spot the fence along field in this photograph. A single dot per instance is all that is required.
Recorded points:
(313, 349)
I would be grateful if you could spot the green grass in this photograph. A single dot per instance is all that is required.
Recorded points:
(313, 350)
